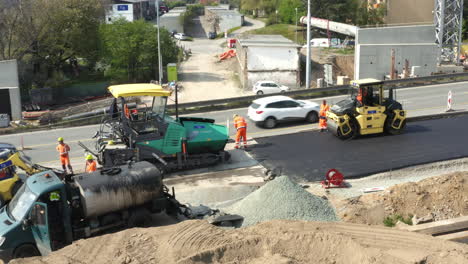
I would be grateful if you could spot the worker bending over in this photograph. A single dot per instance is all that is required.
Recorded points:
(91, 164)
(63, 150)
(241, 126)
(323, 115)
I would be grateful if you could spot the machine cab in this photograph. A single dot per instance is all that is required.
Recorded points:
(36, 221)
(368, 92)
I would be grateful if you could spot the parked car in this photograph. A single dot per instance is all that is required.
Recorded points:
(173, 32)
(266, 87)
(269, 111)
(211, 35)
(324, 43)
(181, 36)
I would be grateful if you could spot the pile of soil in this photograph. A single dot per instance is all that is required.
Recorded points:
(270, 242)
(439, 198)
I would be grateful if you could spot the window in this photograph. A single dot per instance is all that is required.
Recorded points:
(290, 104)
(255, 106)
(277, 105)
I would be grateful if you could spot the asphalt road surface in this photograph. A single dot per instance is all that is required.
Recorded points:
(307, 156)
(423, 100)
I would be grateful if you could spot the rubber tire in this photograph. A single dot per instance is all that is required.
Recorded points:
(269, 123)
(109, 219)
(16, 187)
(312, 117)
(354, 128)
(140, 217)
(2, 202)
(260, 92)
(26, 251)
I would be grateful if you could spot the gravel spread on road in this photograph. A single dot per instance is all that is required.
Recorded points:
(282, 199)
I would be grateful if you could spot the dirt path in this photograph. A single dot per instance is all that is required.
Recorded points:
(269, 242)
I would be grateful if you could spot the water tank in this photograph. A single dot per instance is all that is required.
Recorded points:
(118, 188)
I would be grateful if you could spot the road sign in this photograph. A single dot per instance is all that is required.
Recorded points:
(449, 101)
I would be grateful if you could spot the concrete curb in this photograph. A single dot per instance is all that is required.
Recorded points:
(436, 116)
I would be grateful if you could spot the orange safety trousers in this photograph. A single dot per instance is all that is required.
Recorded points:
(65, 160)
(241, 135)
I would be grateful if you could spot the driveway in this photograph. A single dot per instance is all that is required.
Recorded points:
(203, 76)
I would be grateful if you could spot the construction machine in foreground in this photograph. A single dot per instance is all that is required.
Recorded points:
(148, 133)
(368, 111)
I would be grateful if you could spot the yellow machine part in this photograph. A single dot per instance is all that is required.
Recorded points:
(339, 123)
(400, 116)
(371, 119)
(6, 187)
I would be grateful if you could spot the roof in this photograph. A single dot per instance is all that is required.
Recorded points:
(137, 89)
(367, 81)
(267, 41)
(272, 99)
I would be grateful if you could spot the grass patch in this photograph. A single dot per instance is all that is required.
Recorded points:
(391, 220)
(221, 35)
(286, 30)
(343, 51)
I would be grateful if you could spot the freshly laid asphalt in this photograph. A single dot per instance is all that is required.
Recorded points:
(307, 156)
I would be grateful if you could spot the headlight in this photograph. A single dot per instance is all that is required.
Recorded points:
(2, 240)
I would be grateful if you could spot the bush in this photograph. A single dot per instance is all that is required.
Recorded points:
(391, 220)
(171, 5)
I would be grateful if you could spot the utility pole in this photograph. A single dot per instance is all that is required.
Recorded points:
(296, 23)
(159, 45)
(308, 47)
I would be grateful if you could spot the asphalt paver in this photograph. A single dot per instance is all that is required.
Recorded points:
(307, 156)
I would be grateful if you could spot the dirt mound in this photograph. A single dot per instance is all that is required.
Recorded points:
(269, 242)
(282, 199)
(439, 198)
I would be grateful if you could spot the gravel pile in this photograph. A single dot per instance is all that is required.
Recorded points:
(282, 199)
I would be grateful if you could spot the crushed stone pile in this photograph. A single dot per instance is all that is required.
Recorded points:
(282, 199)
(436, 198)
(277, 241)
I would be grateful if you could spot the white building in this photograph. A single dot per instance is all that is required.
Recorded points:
(130, 10)
(268, 57)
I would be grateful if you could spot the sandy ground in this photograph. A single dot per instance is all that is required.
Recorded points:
(269, 242)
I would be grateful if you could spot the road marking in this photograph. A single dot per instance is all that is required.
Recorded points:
(54, 144)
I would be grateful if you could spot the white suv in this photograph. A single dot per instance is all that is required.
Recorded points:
(269, 111)
(266, 87)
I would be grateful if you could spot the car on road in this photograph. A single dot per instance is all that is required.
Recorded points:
(211, 35)
(271, 110)
(181, 36)
(266, 87)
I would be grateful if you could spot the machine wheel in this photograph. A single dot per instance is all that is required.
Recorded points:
(26, 251)
(16, 187)
(259, 92)
(2, 201)
(140, 217)
(312, 117)
(110, 219)
(390, 130)
(354, 131)
(270, 122)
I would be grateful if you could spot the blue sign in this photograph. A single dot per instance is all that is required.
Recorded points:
(199, 127)
(372, 112)
(122, 8)
(6, 164)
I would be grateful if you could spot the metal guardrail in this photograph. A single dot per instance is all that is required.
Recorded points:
(387, 84)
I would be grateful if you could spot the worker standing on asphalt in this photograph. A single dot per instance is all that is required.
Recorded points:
(241, 126)
(90, 164)
(323, 115)
(63, 149)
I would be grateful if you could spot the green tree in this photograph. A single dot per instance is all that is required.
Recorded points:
(130, 50)
(287, 11)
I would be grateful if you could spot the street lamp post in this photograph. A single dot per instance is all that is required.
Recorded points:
(159, 45)
(308, 47)
(296, 24)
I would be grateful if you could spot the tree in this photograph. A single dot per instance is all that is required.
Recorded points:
(287, 11)
(130, 50)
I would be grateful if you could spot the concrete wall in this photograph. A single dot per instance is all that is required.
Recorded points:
(266, 58)
(120, 11)
(9, 80)
(171, 21)
(374, 45)
(228, 21)
(409, 11)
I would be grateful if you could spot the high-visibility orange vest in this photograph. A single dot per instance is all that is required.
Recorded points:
(91, 166)
(239, 122)
(63, 149)
(324, 109)
(126, 111)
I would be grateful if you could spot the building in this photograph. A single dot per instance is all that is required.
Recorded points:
(130, 10)
(268, 57)
(172, 21)
(374, 46)
(223, 19)
(10, 97)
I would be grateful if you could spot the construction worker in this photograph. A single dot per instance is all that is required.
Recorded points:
(90, 164)
(241, 126)
(63, 150)
(323, 115)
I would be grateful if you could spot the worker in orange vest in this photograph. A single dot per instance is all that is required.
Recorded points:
(63, 150)
(91, 164)
(241, 126)
(323, 115)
